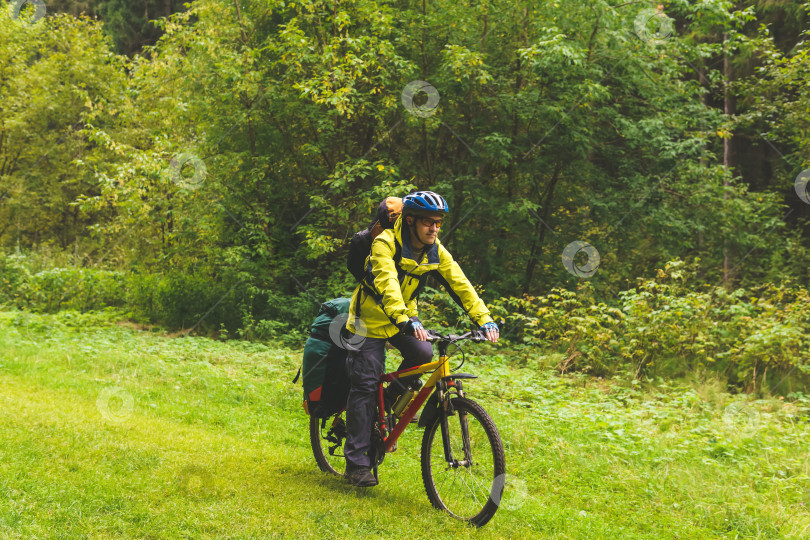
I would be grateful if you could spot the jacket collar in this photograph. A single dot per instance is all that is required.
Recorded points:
(402, 234)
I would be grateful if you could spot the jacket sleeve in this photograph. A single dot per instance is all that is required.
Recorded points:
(461, 290)
(386, 281)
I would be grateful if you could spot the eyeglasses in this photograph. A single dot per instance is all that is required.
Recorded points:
(428, 222)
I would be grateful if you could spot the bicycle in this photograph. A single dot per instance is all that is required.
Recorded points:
(463, 469)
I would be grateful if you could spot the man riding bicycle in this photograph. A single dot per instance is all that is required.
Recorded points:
(383, 308)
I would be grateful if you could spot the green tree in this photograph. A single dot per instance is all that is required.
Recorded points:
(56, 77)
(253, 138)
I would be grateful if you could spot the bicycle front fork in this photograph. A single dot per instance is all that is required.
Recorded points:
(445, 412)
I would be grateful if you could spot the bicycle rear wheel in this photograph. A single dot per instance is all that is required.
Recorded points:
(327, 435)
(466, 488)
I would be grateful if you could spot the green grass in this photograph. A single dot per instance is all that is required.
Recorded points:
(110, 432)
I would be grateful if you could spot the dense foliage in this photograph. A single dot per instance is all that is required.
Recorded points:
(216, 175)
(671, 326)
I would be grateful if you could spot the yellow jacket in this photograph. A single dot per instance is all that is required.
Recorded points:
(387, 295)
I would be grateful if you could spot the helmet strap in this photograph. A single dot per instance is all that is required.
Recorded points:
(414, 232)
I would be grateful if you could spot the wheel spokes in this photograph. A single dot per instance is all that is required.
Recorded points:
(463, 487)
(461, 490)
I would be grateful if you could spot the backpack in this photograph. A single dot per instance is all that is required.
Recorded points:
(360, 248)
(360, 245)
(326, 382)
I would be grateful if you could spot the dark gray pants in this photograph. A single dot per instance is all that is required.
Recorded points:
(365, 365)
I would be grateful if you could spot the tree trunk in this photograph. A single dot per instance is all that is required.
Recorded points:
(510, 173)
(540, 228)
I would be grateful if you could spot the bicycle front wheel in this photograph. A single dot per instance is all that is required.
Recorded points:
(327, 435)
(471, 485)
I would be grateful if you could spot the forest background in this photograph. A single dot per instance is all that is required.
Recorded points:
(628, 181)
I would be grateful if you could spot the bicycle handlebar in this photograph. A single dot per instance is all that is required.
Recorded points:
(474, 335)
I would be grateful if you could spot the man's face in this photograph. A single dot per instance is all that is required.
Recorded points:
(427, 227)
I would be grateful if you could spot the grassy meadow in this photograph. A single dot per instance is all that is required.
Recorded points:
(111, 431)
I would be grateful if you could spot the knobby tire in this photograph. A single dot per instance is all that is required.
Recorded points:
(471, 493)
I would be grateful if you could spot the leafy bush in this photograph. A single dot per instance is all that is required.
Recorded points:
(182, 300)
(267, 315)
(53, 289)
(177, 299)
(14, 279)
(671, 326)
(565, 322)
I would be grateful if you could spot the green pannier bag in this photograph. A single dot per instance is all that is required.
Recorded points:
(326, 382)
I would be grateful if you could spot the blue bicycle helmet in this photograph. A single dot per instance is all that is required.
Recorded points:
(424, 201)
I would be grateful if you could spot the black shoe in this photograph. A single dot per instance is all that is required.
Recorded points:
(360, 477)
(415, 419)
